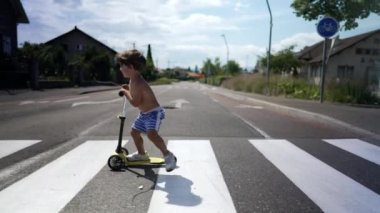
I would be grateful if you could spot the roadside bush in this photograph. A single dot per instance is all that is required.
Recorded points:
(350, 93)
(163, 80)
(216, 80)
(300, 88)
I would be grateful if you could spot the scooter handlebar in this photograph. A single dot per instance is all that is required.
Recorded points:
(121, 94)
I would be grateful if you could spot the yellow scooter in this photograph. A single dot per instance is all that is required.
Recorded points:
(119, 160)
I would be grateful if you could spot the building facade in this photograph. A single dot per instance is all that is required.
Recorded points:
(355, 59)
(11, 73)
(76, 41)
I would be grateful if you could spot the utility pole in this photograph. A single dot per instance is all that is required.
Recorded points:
(228, 52)
(269, 49)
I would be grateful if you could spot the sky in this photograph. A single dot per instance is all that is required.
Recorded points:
(182, 33)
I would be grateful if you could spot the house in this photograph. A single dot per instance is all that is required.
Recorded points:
(75, 41)
(354, 59)
(11, 14)
(195, 76)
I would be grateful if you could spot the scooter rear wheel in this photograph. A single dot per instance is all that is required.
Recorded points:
(115, 162)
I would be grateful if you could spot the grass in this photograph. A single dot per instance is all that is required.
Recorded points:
(163, 80)
(298, 88)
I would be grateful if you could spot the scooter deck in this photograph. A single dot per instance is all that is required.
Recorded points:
(151, 161)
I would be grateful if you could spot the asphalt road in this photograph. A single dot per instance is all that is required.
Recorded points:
(242, 136)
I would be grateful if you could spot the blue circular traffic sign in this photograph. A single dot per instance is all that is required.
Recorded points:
(327, 27)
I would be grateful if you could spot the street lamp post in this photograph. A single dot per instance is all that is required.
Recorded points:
(228, 52)
(269, 49)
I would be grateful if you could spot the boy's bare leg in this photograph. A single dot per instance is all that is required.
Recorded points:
(158, 141)
(139, 142)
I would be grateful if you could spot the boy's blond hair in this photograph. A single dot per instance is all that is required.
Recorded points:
(132, 57)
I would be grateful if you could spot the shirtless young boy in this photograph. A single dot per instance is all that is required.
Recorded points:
(140, 95)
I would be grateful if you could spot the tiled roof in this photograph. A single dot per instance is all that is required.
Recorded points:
(313, 53)
(21, 16)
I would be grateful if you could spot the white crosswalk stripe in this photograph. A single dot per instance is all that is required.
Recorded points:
(197, 185)
(331, 190)
(358, 147)
(8, 147)
(50, 188)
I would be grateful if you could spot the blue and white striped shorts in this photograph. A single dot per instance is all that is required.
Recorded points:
(151, 120)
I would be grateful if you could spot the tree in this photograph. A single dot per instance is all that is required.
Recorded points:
(214, 67)
(51, 60)
(233, 67)
(149, 72)
(196, 70)
(284, 61)
(92, 64)
(346, 11)
(208, 67)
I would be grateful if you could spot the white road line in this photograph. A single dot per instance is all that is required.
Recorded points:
(331, 190)
(358, 147)
(27, 102)
(244, 106)
(95, 102)
(50, 188)
(264, 134)
(70, 99)
(178, 103)
(197, 185)
(8, 147)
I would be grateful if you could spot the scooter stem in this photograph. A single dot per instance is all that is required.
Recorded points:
(122, 119)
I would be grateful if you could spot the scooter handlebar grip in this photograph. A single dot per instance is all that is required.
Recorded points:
(121, 94)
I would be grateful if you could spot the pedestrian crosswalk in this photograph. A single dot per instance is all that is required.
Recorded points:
(198, 184)
(50, 188)
(331, 190)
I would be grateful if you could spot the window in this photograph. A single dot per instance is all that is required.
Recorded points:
(6, 44)
(80, 47)
(362, 51)
(345, 72)
(315, 71)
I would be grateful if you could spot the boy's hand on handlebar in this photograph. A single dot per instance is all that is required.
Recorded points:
(124, 90)
(125, 86)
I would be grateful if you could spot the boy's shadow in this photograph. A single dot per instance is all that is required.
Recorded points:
(178, 188)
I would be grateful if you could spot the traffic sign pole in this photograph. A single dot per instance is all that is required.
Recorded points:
(326, 27)
(323, 71)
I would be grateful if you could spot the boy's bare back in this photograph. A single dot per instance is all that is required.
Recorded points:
(143, 94)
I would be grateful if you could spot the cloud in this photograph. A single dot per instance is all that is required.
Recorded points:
(185, 32)
(300, 40)
(68, 3)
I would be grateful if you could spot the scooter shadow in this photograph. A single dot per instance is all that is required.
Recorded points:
(178, 188)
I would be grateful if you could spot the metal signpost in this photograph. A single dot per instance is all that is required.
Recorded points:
(326, 27)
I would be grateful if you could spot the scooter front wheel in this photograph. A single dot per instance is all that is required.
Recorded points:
(115, 162)
(125, 151)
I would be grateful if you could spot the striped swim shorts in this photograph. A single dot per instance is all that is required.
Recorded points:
(151, 120)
